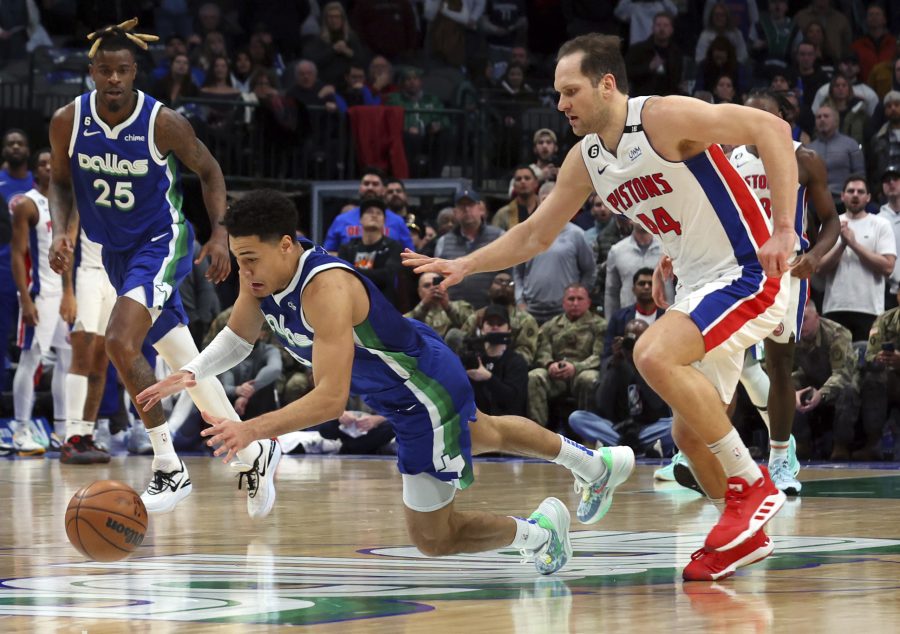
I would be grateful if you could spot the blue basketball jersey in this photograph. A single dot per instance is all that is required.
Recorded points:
(127, 192)
(387, 344)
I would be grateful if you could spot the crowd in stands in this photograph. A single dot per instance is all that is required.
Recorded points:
(551, 338)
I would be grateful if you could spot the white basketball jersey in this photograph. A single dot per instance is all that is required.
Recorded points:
(42, 279)
(708, 220)
(750, 167)
(90, 253)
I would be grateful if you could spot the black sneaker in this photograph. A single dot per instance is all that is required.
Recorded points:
(98, 455)
(73, 451)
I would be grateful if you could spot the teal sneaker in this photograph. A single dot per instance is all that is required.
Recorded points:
(782, 477)
(553, 555)
(793, 463)
(667, 472)
(596, 497)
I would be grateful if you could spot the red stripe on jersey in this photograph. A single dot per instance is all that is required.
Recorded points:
(749, 208)
(744, 312)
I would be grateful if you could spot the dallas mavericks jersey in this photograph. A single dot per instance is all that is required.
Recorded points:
(702, 197)
(387, 344)
(41, 278)
(750, 167)
(127, 192)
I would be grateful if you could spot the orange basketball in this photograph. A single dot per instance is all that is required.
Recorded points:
(106, 520)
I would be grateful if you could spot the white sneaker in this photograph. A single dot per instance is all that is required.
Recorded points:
(25, 443)
(261, 479)
(596, 497)
(167, 489)
(101, 434)
(783, 477)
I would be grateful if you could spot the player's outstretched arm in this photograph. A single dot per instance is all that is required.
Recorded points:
(61, 198)
(526, 239)
(332, 303)
(814, 175)
(231, 346)
(175, 134)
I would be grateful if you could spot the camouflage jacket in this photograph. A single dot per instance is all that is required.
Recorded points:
(523, 326)
(442, 320)
(579, 342)
(886, 329)
(827, 362)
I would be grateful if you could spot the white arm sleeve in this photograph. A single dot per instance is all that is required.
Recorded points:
(224, 352)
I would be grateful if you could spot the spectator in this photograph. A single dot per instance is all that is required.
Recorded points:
(885, 77)
(307, 88)
(826, 379)
(209, 19)
(173, 17)
(884, 148)
(336, 47)
(567, 362)
(770, 40)
(282, 122)
(792, 116)
(395, 197)
(470, 233)
(890, 187)
(220, 117)
(242, 71)
(546, 155)
(281, 19)
(880, 392)
(525, 201)
(436, 309)
(724, 91)
(250, 385)
(346, 226)
(643, 309)
(218, 79)
(618, 229)
(381, 78)
(451, 24)
(374, 255)
(602, 217)
(639, 15)
(857, 266)
(625, 410)
(353, 90)
(500, 378)
(655, 66)
(177, 84)
(504, 23)
(638, 251)
(425, 132)
(744, 14)
(814, 33)
(878, 44)
(523, 327)
(213, 46)
(807, 76)
(851, 109)
(842, 155)
(721, 24)
(838, 34)
(720, 60)
(849, 68)
(387, 27)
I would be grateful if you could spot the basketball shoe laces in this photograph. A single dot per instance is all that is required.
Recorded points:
(161, 481)
(252, 480)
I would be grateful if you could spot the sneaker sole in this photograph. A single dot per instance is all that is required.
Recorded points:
(751, 558)
(791, 489)
(760, 518)
(270, 483)
(685, 477)
(562, 529)
(663, 476)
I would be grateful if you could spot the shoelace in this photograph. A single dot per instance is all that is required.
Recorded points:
(252, 479)
(781, 471)
(161, 480)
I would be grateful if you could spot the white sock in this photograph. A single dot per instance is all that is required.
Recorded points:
(778, 450)
(735, 458)
(529, 535)
(583, 462)
(164, 456)
(76, 395)
(87, 427)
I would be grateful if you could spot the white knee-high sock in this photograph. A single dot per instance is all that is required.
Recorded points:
(23, 382)
(76, 396)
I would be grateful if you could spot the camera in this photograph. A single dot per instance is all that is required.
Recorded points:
(473, 347)
(628, 341)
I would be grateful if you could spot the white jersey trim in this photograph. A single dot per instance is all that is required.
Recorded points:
(76, 124)
(113, 133)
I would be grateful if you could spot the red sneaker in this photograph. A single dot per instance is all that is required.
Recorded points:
(747, 509)
(714, 565)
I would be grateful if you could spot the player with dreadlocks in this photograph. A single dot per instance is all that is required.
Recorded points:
(116, 160)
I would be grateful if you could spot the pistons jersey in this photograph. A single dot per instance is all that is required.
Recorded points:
(42, 280)
(127, 192)
(750, 167)
(387, 344)
(708, 220)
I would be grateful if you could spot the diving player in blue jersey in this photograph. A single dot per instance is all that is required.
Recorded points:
(335, 320)
(117, 154)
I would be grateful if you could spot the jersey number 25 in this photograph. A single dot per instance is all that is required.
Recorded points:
(122, 197)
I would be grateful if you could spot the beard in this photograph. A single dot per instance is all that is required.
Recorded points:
(15, 162)
(503, 299)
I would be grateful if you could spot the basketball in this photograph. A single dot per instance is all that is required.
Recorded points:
(106, 520)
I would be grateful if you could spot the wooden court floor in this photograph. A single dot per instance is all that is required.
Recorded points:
(334, 556)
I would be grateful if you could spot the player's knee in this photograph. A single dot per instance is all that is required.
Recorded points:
(648, 359)
(121, 348)
(434, 544)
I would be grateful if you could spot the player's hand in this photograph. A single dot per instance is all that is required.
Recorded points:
(219, 260)
(68, 309)
(774, 254)
(62, 252)
(454, 271)
(173, 383)
(805, 266)
(29, 311)
(662, 274)
(227, 436)
(369, 422)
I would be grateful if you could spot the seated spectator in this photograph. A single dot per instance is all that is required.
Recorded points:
(814, 33)
(263, 55)
(504, 23)
(807, 78)
(250, 385)
(213, 46)
(218, 79)
(836, 26)
(721, 24)
(625, 409)
(854, 121)
(451, 25)
(435, 308)
(848, 66)
(307, 88)
(878, 44)
(282, 121)
(395, 197)
(221, 117)
(884, 147)
(720, 60)
(770, 39)
(469, 233)
(374, 255)
(546, 155)
(567, 362)
(175, 45)
(638, 251)
(523, 327)
(425, 133)
(885, 77)
(792, 116)
(826, 378)
(724, 91)
(525, 201)
(643, 309)
(177, 84)
(842, 155)
(655, 66)
(499, 375)
(336, 47)
(639, 16)
(880, 393)
(242, 71)
(602, 217)
(387, 27)
(353, 90)
(380, 79)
